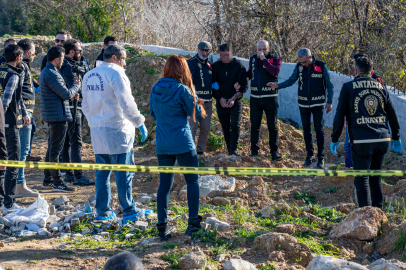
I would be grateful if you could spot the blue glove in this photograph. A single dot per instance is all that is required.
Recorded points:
(215, 86)
(144, 132)
(36, 90)
(397, 145)
(334, 146)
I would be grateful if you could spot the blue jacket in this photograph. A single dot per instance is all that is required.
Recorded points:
(171, 103)
(55, 95)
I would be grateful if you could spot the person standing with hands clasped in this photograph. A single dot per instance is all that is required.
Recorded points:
(366, 105)
(314, 80)
(173, 100)
(230, 82)
(264, 68)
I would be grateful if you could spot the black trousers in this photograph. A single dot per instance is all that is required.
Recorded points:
(258, 106)
(72, 149)
(10, 175)
(56, 139)
(230, 119)
(306, 116)
(369, 156)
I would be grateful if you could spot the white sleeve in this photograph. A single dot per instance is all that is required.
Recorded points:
(122, 91)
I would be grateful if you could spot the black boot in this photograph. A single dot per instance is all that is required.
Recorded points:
(320, 163)
(275, 156)
(194, 225)
(309, 161)
(165, 231)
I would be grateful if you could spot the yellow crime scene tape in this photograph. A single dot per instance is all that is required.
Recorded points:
(202, 170)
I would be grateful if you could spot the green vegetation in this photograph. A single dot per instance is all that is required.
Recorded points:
(320, 247)
(215, 141)
(305, 197)
(268, 266)
(168, 246)
(331, 190)
(173, 256)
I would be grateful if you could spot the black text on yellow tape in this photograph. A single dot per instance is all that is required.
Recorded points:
(201, 170)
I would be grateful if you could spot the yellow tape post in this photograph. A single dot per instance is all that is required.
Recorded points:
(201, 170)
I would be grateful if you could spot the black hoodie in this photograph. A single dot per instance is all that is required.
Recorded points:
(226, 75)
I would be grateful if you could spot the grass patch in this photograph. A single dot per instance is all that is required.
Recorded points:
(321, 248)
(220, 249)
(248, 234)
(327, 213)
(215, 141)
(210, 236)
(305, 197)
(268, 266)
(173, 257)
(331, 190)
(168, 246)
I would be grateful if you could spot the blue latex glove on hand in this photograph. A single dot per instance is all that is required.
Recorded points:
(334, 147)
(215, 86)
(144, 132)
(397, 145)
(36, 90)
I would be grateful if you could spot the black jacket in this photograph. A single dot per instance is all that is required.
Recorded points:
(28, 93)
(70, 70)
(202, 77)
(3, 144)
(369, 111)
(100, 57)
(44, 62)
(226, 75)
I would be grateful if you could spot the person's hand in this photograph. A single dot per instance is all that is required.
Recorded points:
(77, 81)
(26, 120)
(397, 145)
(230, 103)
(237, 86)
(261, 55)
(215, 86)
(144, 132)
(2, 168)
(273, 85)
(334, 147)
(223, 102)
(328, 107)
(76, 97)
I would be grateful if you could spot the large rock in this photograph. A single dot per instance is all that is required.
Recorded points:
(274, 209)
(383, 264)
(57, 202)
(362, 224)
(390, 233)
(194, 260)
(238, 264)
(323, 262)
(217, 224)
(220, 201)
(285, 243)
(210, 183)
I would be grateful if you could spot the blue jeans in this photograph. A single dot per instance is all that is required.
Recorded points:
(347, 148)
(124, 181)
(33, 130)
(188, 159)
(25, 143)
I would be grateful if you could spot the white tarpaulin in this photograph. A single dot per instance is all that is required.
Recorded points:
(36, 213)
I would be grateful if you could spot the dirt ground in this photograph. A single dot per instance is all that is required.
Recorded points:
(143, 69)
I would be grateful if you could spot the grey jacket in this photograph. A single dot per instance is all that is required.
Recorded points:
(55, 95)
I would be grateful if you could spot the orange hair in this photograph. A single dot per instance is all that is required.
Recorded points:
(177, 68)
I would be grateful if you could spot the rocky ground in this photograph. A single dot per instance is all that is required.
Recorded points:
(264, 223)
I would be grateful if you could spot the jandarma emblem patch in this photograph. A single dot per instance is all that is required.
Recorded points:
(200, 65)
(371, 104)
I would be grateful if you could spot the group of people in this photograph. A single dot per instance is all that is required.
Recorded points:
(181, 103)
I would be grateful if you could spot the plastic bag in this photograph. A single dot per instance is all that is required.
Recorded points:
(36, 213)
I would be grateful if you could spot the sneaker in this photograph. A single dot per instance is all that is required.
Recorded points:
(13, 208)
(69, 179)
(23, 191)
(112, 216)
(135, 217)
(309, 161)
(83, 182)
(63, 172)
(47, 185)
(320, 163)
(62, 187)
(30, 158)
(275, 156)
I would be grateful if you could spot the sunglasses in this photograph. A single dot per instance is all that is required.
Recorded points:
(59, 41)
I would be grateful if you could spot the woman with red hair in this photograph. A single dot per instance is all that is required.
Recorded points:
(172, 101)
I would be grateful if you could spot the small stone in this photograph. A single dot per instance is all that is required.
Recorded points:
(205, 226)
(6, 222)
(220, 201)
(62, 246)
(221, 257)
(193, 260)
(98, 237)
(105, 234)
(306, 208)
(368, 248)
(217, 224)
(365, 262)
(153, 197)
(238, 264)
(129, 235)
(65, 236)
(59, 201)
(285, 228)
(56, 224)
(149, 241)
(66, 227)
(145, 199)
(74, 222)
(52, 210)
(52, 219)
(141, 225)
(2, 244)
